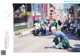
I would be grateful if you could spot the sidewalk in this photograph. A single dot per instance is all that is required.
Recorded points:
(23, 32)
(26, 32)
(30, 43)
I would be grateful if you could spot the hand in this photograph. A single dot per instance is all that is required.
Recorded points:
(57, 47)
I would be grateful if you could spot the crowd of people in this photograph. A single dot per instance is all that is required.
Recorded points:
(44, 28)
(57, 29)
(70, 27)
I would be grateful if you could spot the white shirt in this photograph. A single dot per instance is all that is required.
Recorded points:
(37, 25)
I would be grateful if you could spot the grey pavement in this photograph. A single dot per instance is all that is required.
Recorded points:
(30, 43)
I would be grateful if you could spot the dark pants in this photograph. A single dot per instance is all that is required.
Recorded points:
(72, 31)
(35, 32)
(43, 31)
(78, 32)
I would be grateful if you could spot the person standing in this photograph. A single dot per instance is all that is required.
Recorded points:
(78, 27)
(47, 29)
(72, 29)
(78, 30)
(59, 25)
(43, 29)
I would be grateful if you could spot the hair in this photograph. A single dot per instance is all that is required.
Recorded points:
(59, 22)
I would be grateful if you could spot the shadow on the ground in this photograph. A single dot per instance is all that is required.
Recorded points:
(74, 50)
(73, 37)
(77, 45)
(49, 47)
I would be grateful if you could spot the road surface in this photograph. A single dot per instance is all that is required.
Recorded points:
(30, 43)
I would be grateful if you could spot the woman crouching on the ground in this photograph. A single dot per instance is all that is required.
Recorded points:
(61, 41)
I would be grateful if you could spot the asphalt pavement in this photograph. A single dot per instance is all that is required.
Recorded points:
(30, 43)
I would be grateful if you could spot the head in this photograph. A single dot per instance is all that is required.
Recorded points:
(54, 20)
(53, 29)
